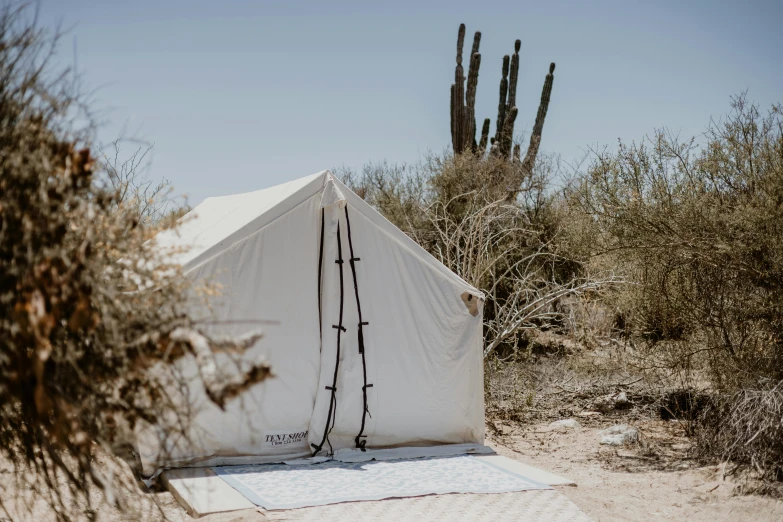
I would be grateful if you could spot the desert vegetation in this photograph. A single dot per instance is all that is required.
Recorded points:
(663, 255)
(696, 227)
(661, 258)
(84, 341)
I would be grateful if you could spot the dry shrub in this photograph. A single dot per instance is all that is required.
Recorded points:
(591, 321)
(746, 428)
(81, 328)
(127, 175)
(494, 223)
(700, 229)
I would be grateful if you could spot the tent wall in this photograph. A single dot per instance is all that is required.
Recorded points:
(270, 275)
(422, 346)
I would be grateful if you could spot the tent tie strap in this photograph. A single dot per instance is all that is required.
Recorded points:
(320, 285)
(331, 416)
(361, 340)
(361, 337)
(360, 442)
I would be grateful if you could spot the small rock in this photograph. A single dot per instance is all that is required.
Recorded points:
(565, 423)
(619, 435)
(614, 430)
(604, 404)
(621, 400)
(613, 401)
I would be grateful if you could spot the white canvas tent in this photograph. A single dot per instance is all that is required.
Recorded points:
(376, 343)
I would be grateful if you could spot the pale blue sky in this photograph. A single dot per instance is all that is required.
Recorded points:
(240, 95)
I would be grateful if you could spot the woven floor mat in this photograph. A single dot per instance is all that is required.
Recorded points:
(528, 506)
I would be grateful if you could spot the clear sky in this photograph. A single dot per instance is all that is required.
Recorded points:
(241, 95)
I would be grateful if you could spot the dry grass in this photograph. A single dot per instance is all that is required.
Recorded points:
(555, 377)
(746, 429)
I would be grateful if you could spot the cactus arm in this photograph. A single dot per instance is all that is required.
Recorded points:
(453, 113)
(502, 101)
(457, 96)
(508, 125)
(460, 43)
(469, 131)
(538, 127)
(482, 147)
(513, 76)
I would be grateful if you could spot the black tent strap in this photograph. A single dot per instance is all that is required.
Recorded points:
(331, 416)
(365, 410)
(361, 336)
(361, 341)
(320, 271)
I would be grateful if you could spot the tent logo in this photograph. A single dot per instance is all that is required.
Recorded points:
(284, 438)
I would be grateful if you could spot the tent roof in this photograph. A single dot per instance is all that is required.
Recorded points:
(220, 222)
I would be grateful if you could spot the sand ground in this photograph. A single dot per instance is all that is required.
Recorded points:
(653, 480)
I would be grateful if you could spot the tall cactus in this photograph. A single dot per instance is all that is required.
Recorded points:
(463, 108)
(463, 102)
